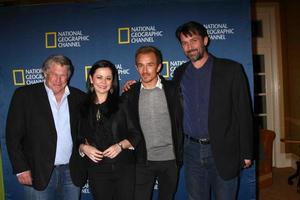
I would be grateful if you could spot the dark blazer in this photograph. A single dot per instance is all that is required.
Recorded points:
(122, 127)
(31, 134)
(173, 101)
(229, 116)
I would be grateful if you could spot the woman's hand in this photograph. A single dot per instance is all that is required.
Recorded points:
(93, 153)
(112, 151)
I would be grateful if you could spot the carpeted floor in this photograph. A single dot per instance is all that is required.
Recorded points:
(280, 190)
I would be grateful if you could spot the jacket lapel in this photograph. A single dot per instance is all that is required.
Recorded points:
(45, 106)
(135, 99)
(168, 92)
(215, 85)
(72, 113)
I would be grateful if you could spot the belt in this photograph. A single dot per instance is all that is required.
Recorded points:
(61, 165)
(200, 141)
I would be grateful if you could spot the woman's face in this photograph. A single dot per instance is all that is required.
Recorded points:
(102, 80)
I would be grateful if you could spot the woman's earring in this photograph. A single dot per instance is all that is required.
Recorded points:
(111, 90)
(92, 88)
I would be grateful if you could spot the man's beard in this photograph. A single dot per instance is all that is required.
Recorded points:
(198, 56)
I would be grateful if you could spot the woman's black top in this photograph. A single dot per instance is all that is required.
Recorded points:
(100, 135)
(102, 125)
(112, 124)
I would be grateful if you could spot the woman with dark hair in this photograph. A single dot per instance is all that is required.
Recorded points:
(106, 138)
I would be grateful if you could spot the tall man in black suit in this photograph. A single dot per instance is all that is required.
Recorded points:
(40, 130)
(217, 117)
(155, 106)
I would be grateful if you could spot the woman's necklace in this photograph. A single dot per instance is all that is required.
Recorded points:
(98, 115)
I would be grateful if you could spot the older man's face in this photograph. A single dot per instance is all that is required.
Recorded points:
(57, 78)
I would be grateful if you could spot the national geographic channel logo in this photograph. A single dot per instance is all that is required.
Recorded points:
(122, 71)
(169, 68)
(138, 34)
(65, 39)
(85, 188)
(23, 76)
(155, 187)
(218, 31)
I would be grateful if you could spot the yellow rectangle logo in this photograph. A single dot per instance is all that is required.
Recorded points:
(19, 77)
(167, 69)
(87, 69)
(124, 35)
(50, 40)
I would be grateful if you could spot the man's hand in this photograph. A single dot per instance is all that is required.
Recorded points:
(25, 178)
(127, 85)
(247, 163)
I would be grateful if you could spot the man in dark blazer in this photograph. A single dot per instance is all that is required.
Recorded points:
(155, 107)
(40, 130)
(217, 117)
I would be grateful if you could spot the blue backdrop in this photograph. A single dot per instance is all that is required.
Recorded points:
(89, 32)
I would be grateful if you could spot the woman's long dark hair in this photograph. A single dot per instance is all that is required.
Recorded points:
(113, 94)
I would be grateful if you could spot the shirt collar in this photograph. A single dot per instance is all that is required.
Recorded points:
(49, 91)
(158, 84)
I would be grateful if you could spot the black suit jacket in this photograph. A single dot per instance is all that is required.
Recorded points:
(229, 116)
(31, 134)
(175, 111)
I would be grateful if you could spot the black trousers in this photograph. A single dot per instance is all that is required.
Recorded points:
(166, 173)
(112, 181)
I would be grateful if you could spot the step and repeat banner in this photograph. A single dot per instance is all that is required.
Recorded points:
(88, 32)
